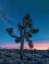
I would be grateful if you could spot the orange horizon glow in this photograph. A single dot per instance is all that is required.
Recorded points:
(43, 46)
(38, 46)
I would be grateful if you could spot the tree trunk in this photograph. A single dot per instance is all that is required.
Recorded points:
(22, 44)
(21, 50)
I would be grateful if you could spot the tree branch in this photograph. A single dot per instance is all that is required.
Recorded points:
(32, 30)
(14, 36)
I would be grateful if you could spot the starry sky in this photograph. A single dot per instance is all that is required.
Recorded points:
(13, 11)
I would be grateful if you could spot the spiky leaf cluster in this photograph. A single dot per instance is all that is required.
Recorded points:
(30, 44)
(34, 30)
(27, 16)
(30, 35)
(28, 21)
(20, 27)
(17, 40)
(29, 24)
(10, 30)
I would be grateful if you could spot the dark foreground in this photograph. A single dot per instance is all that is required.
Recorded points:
(12, 56)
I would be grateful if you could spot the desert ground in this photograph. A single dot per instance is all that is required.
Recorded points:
(11, 56)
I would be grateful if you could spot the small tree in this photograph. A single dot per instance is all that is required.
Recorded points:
(27, 23)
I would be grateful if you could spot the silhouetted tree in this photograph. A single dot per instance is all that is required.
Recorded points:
(27, 23)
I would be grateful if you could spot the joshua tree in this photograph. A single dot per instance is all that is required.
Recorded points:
(27, 23)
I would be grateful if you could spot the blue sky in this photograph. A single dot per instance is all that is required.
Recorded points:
(13, 12)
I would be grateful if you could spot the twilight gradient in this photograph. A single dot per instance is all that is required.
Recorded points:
(13, 11)
(43, 46)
